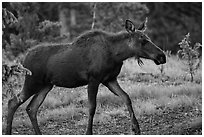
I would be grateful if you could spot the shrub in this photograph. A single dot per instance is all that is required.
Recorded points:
(49, 30)
(190, 54)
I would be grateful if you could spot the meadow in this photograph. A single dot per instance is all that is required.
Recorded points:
(164, 101)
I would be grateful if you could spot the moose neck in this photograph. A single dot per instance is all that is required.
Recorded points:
(121, 49)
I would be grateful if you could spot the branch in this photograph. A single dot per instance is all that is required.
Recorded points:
(94, 16)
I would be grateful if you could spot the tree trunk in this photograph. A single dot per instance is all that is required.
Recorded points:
(73, 17)
(94, 16)
(63, 19)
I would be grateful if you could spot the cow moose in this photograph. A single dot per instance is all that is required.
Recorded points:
(93, 58)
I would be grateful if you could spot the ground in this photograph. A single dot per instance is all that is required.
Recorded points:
(150, 125)
(163, 104)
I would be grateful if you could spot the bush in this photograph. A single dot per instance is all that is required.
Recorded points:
(48, 30)
(20, 46)
(190, 54)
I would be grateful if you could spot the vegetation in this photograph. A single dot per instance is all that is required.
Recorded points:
(168, 21)
(190, 54)
(165, 99)
(157, 100)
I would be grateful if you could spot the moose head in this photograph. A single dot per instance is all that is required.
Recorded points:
(142, 45)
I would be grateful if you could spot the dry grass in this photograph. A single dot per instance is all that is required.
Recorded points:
(147, 98)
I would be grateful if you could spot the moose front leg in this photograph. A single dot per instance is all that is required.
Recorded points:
(114, 87)
(92, 93)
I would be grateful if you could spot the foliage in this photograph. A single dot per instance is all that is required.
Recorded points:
(169, 21)
(8, 21)
(36, 24)
(164, 17)
(11, 74)
(48, 30)
(25, 26)
(27, 19)
(31, 30)
(7, 18)
(190, 54)
(111, 16)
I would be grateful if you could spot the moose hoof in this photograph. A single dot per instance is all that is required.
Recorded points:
(89, 133)
(136, 131)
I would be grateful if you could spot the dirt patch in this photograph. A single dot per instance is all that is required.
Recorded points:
(167, 122)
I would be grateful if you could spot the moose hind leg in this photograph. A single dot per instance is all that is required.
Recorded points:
(13, 104)
(33, 106)
(114, 87)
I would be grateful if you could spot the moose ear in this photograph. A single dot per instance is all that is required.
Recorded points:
(143, 26)
(130, 27)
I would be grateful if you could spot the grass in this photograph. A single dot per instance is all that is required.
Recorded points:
(174, 68)
(148, 97)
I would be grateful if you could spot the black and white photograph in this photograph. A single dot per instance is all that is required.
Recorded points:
(101, 68)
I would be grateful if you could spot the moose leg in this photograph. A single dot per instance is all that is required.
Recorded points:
(92, 93)
(114, 87)
(13, 104)
(33, 106)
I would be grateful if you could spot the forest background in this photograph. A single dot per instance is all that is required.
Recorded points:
(61, 22)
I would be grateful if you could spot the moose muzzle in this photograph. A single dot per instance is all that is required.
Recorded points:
(160, 59)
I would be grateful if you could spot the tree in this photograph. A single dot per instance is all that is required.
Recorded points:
(47, 22)
(111, 16)
(8, 26)
(169, 21)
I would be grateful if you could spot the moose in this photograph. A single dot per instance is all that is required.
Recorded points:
(93, 58)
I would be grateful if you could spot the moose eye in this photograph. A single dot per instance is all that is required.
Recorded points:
(144, 42)
(141, 37)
